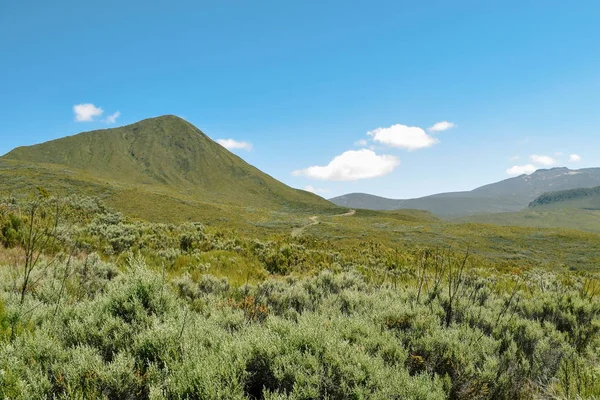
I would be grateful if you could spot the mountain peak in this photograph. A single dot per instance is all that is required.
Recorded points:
(164, 124)
(167, 118)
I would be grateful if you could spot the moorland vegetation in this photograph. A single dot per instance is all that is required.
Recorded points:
(95, 304)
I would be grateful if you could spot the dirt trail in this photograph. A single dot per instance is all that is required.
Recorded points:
(348, 214)
(314, 220)
(298, 231)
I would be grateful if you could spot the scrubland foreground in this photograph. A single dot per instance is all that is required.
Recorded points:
(94, 305)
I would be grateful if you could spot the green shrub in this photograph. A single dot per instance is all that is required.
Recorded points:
(166, 311)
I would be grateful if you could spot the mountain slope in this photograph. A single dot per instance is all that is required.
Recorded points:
(166, 153)
(511, 194)
(164, 170)
(584, 198)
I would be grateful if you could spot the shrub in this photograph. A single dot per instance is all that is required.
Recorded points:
(365, 322)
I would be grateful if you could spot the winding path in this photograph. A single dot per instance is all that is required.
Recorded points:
(314, 220)
(348, 214)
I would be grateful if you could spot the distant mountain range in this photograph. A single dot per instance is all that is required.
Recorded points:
(509, 195)
(158, 168)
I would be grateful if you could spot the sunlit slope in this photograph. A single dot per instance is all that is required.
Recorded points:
(165, 154)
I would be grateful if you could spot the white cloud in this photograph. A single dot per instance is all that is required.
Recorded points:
(360, 143)
(521, 169)
(573, 158)
(86, 112)
(515, 158)
(402, 136)
(352, 165)
(442, 126)
(111, 119)
(542, 160)
(231, 144)
(312, 189)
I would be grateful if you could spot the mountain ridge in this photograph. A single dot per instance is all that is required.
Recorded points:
(508, 195)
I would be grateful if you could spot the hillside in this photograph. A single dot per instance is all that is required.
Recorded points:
(160, 169)
(171, 153)
(585, 198)
(508, 195)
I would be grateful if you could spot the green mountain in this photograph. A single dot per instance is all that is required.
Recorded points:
(583, 198)
(161, 165)
(509, 195)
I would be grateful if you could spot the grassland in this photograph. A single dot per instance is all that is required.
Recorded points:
(542, 217)
(509, 238)
(505, 245)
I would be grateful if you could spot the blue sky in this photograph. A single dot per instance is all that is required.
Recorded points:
(338, 96)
